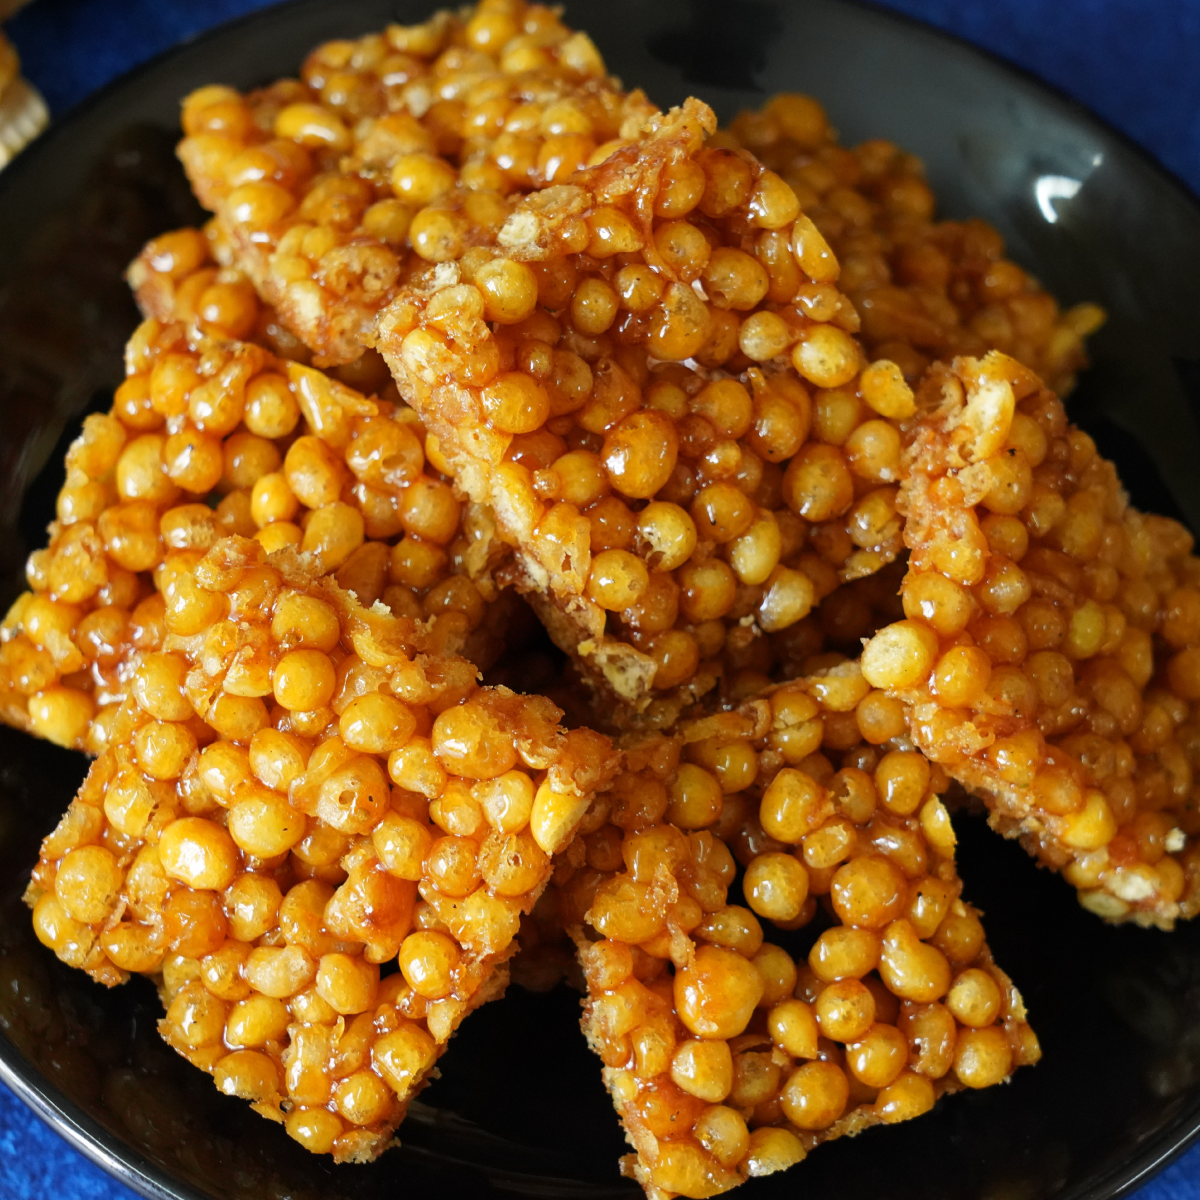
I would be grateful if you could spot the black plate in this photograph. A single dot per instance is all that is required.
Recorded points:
(519, 1108)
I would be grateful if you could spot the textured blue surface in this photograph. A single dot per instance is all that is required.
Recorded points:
(1135, 62)
(1132, 61)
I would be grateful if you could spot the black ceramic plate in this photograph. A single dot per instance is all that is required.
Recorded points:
(519, 1108)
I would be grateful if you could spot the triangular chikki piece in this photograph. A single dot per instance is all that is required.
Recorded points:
(1050, 660)
(851, 985)
(352, 798)
(212, 435)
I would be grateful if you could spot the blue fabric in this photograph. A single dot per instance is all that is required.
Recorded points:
(36, 1164)
(1132, 61)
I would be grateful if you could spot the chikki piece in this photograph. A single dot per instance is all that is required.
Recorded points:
(209, 436)
(925, 289)
(726, 1056)
(416, 136)
(524, 329)
(446, 549)
(177, 277)
(1050, 659)
(305, 789)
(645, 432)
(839, 624)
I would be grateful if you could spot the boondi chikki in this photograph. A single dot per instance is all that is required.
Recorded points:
(524, 330)
(725, 1055)
(1049, 655)
(926, 290)
(379, 201)
(413, 137)
(350, 798)
(472, 319)
(210, 435)
(521, 440)
(447, 550)
(660, 507)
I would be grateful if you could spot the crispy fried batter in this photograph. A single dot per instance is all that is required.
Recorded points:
(385, 806)
(210, 435)
(1049, 659)
(726, 1056)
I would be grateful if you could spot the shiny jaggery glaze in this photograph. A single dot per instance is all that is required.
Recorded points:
(465, 212)
(845, 614)
(833, 631)
(447, 549)
(504, 141)
(279, 450)
(381, 463)
(657, 505)
(727, 1058)
(416, 136)
(925, 289)
(303, 790)
(171, 280)
(1049, 656)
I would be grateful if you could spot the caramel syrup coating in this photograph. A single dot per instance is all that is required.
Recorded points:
(663, 511)
(211, 435)
(727, 1057)
(1048, 656)
(530, 313)
(529, 247)
(322, 182)
(926, 289)
(300, 789)
(521, 240)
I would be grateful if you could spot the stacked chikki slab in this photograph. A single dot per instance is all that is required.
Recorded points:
(472, 321)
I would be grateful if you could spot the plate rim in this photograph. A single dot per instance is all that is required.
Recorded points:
(100, 1146)
(1031, 77)
(39, 146)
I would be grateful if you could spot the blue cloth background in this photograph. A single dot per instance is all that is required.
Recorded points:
(1135, 62)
